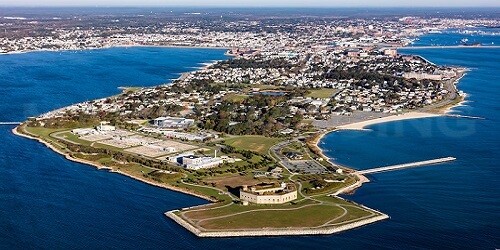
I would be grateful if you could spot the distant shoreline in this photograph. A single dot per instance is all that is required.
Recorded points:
(118, 46)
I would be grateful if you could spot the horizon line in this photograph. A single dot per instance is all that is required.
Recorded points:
(249, 6)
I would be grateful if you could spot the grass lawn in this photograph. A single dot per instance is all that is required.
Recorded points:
(255, 143)
(41, 131)
(236, 180)
(235, 97)
(322, 93)
(316, 215)
(201, 190)
(306, 213)
(263, 87)
(72, 137)
(236, 208)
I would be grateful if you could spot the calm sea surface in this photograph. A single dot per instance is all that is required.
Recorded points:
(49, 202)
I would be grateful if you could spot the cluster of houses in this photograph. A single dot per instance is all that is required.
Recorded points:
(244, 33)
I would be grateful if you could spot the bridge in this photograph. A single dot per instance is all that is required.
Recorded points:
(451, 47)
(10, 123)
(406, 165)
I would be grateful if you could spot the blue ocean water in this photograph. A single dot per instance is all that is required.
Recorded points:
(485, 37)
(49, 202)
(38, 82)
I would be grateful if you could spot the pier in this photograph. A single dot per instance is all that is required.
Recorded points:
(406, 165)
(10, 123)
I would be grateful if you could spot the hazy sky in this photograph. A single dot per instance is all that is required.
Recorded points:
(254, 3)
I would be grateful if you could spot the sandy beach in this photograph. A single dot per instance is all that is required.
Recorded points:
(362, 126)
(406, 116)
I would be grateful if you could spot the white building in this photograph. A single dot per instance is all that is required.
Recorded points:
(195, 162)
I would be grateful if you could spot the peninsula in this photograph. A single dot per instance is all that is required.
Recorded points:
(242, 133)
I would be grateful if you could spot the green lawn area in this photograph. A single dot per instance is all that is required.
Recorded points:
(306, 213)
(316, 215)
(41, 131)
(134, 169)
(255, 143)
(92, 157)
(100, 145)
(321, 93)
(236, 208)
(235, 97)
(72, 137)
(263, 87)
(201, 190)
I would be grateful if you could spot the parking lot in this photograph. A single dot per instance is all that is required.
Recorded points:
(298, 166)
(306, 167)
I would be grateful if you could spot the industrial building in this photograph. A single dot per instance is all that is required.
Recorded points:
(172, 122)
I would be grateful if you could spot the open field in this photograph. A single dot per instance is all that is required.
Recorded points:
(67, 135)
(327, 212)
(42, 132)
(322, 93)
(263, 87)
(201, 214)
(235, 97)
(316, 215)
(236, 181)
(258, 144)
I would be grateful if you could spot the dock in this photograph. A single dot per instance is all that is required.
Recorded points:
(406, 165)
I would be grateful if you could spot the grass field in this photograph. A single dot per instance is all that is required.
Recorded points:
(40, 131)
(235, 97)
(316, 215)
(322, 93)
(258, 144)
(71, 137)
(326, 211)
(236, 208)
(235, 181)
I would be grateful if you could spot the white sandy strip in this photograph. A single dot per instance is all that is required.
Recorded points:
(405, 116)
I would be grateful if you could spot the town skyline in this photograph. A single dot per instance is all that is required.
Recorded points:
(252, 4)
